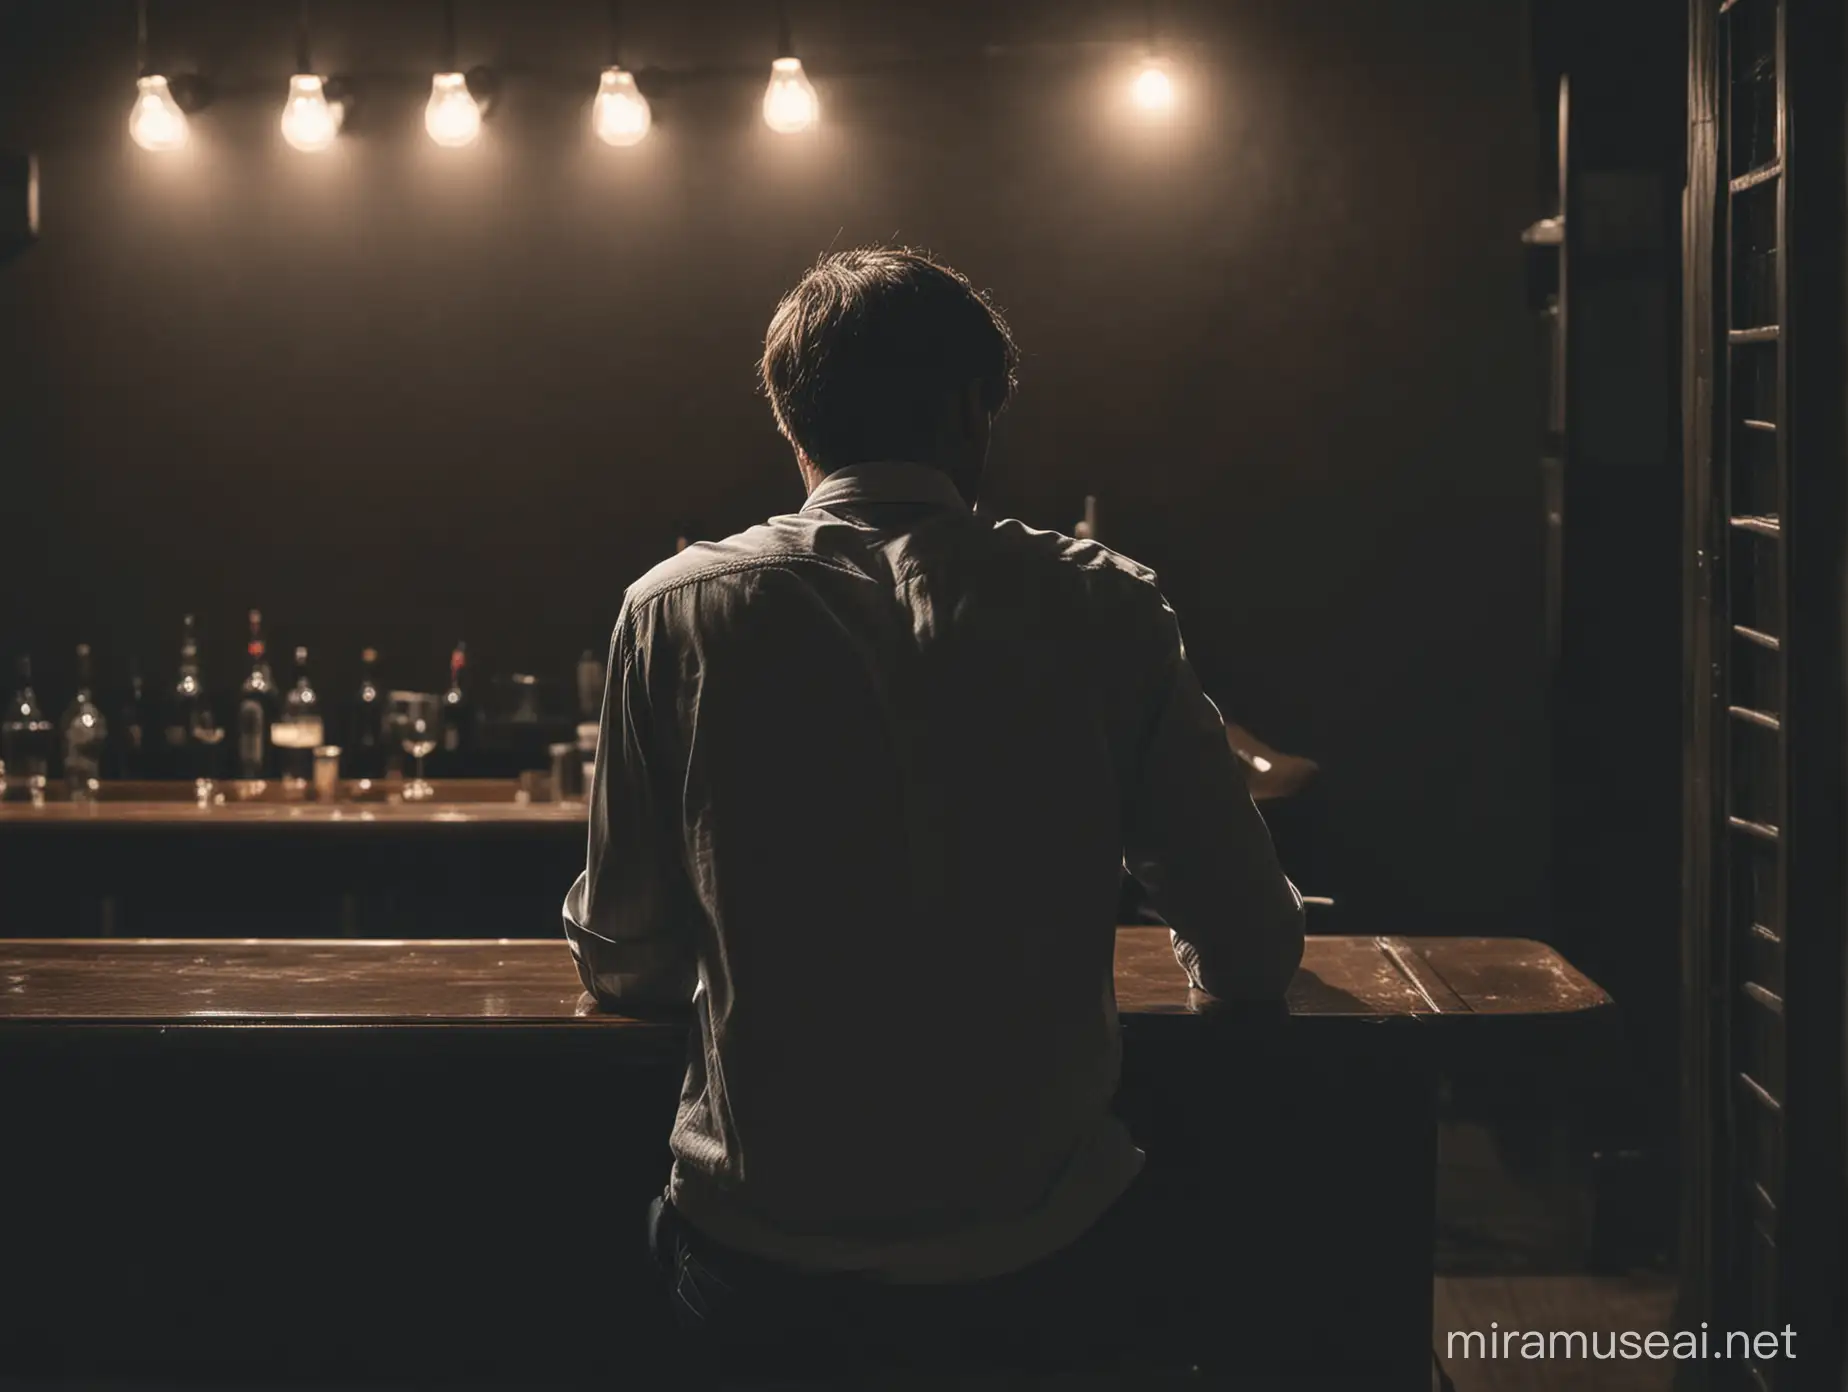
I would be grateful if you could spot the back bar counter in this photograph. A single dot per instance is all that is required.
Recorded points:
(482, 857)
(430, 1159)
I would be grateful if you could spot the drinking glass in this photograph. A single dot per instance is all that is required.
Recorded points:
(415, 720)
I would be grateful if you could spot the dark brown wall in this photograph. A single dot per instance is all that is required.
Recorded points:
(395, 394)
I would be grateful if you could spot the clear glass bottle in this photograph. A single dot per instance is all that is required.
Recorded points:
(85, 732)
(256, 713)
(299, 730)
(26, 742)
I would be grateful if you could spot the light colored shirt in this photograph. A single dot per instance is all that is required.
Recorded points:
(868, 778)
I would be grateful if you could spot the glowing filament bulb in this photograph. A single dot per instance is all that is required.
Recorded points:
(789, 101)
(156, 123)
(453, 117)
(1153, 90)
(309, 120)
(620, 113)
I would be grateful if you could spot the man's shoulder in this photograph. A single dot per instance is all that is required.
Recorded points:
(768, 545)
(1091, 559)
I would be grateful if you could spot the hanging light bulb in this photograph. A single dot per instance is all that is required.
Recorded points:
(1153, 89)
(620, 114)
(156, 123)
(309, 120)
(790, 105)
(453, 116)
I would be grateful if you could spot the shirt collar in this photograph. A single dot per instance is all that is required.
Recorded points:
(886, 482)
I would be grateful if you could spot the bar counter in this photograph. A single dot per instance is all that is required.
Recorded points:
(147, 860)
(170, 984)
(429, 1159)
(173, 806)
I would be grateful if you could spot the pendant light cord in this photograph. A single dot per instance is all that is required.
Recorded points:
(449, 35)
(784, 48)
(141, 38)
(303, 59)
(616, 33)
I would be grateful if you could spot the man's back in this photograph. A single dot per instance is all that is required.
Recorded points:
(869, 775)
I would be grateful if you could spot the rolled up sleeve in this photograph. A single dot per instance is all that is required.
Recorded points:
(632, 947)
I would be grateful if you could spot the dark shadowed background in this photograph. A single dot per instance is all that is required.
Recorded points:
(398, 395)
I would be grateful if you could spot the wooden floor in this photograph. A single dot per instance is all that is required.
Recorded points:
(1604, 1305)
(1514, 1253)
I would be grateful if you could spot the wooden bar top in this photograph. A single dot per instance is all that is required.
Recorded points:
(285, 815)
(168, 983)
(173, 805)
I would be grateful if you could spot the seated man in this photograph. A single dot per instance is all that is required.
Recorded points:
(869, 774)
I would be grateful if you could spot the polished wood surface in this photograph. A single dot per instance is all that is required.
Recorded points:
(172, 982)
(459, 802)
(288, 815)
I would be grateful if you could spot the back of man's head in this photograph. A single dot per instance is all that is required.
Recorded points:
(874, 350)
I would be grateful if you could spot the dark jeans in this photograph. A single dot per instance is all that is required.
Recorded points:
(1105, 1299)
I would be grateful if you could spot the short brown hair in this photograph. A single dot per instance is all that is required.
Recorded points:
(860, 355)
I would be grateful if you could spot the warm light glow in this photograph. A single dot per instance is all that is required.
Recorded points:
(453, 116)
(157, 123)
(620, 114)
(309, 121)
(1153, 90)
(1260, 763)
(789, 101)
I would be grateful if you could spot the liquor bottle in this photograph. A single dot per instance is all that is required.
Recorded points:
(25, 743)
(363, 743)
(86, 734)
(256, 711)
(135, 753)
(299, 730)
(458, 718)
(185, 755)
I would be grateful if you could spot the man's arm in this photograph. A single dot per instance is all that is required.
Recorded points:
(1193, 837)
(632, 950)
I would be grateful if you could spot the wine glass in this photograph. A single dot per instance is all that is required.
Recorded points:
(415, 720)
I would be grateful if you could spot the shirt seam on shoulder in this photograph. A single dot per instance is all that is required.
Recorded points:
(761, 561)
